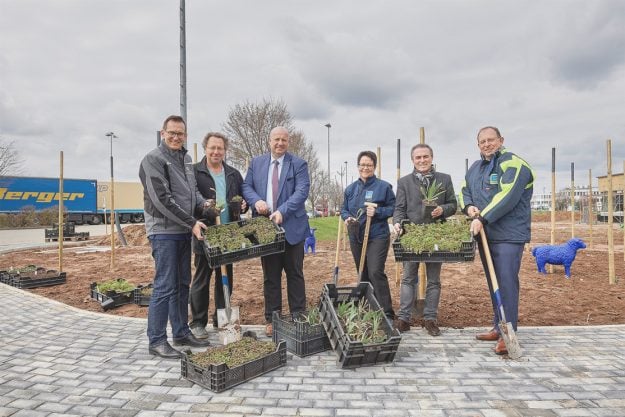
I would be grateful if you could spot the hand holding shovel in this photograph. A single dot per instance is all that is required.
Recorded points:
(363, 254)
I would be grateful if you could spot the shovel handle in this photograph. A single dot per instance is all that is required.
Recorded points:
(489, 261)
(363, 253)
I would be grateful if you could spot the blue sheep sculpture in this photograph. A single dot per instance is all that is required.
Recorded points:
(558, 255)
(310, 242)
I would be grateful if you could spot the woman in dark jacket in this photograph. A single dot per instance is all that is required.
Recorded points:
(370, 189)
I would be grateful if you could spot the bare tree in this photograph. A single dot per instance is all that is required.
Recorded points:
(248, 126)
(10, 161)
(317, 183)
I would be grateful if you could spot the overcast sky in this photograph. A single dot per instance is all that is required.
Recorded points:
(548, 74)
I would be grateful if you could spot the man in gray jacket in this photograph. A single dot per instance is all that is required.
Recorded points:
(170, 197)
(410, 205)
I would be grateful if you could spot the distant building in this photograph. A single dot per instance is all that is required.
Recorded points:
(618, 186)
(541, 201)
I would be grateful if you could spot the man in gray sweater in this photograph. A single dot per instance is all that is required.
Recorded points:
(170, 198)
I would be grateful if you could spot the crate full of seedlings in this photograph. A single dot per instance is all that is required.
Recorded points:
(358, 330)
(304, 334)
(435, 242)
(32, 276)
(113, 293)
(244, 239)
(142, 295)
(222, 367)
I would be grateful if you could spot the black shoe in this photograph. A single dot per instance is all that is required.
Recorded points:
(432, 328)
(164, 350)
(191, 340)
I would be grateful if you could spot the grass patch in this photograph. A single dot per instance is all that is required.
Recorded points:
(326, 227)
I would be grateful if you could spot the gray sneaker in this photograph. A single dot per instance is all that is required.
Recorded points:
(199, 332)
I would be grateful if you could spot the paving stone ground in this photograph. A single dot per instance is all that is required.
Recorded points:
(56, 360)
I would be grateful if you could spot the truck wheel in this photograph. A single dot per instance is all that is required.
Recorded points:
(123, 218)
(137, 218)
(96, 220)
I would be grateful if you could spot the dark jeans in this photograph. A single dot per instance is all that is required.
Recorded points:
(199, 295)
(292, 262)
(373, 271)
(170, 295)
(507, 263)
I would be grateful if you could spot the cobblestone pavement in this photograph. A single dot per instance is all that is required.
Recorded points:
(56, 360)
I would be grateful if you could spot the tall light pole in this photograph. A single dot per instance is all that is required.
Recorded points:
(112, 136)
(183, 66)
(328, 125)
(345, 174)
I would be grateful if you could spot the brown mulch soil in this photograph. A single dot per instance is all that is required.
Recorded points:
(586, 299)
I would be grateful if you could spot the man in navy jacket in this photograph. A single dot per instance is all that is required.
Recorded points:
(276, 185)
(496, 192)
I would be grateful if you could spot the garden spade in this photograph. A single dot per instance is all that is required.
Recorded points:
(228, 317)
(363, 254)
(506, 330)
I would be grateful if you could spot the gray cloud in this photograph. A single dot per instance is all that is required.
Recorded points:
(586, 51)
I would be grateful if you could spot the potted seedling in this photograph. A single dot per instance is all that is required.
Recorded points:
(430, 195)
(353, 224)
(235, 207)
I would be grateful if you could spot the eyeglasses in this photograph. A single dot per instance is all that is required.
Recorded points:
(179, 134)
(363, 166)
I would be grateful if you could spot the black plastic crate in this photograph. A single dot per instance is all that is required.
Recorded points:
(39, 279)
(4, 277)
(352, 354)
(218, 378)
(302, 339)
(465, 254)
(217, 258)
(139, 298)
(111, 299)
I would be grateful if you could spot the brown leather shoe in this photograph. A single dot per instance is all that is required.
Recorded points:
(432, 328)
(403, 326)
(269, 330)
(489, 336)
(500, 348)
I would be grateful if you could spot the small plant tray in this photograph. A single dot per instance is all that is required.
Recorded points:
(217, 258)
(218, 378)
(465, 254)
(139, 298)
(352, 354)
(30, 280)
(302, 339)
(111, 299)
(34, 277)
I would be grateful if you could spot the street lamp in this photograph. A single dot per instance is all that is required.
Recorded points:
(328, 125)
(112, 136)
(345, 174)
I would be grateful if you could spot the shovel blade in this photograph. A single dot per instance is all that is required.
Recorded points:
(510, 339)
(229, 334)
(224, 319)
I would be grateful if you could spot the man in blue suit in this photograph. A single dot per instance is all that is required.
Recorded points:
(276, 185)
